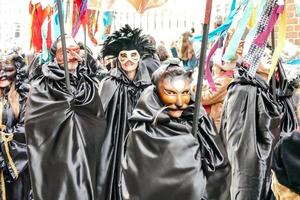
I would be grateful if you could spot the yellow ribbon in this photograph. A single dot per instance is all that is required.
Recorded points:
(3, 195)
(281, 41)
(6, 138)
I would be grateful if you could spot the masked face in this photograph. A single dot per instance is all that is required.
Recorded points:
(174, 92)
(7, 73)
(129, 60)
(266, 59)
(73, 54)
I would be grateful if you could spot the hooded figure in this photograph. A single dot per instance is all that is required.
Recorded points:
(64, 129)
(250, 127)
(163, 159)
(14, 173)
(119, 92)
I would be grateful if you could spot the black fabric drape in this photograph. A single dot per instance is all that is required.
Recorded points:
(64, 131)
(119, 96)
(289, 121)
(163, 159)
(286, 161)
(250, 127)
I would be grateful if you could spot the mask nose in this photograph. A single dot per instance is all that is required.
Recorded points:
(179, 102)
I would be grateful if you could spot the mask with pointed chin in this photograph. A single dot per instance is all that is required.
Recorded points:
(129, 60)
(174, 92)
(73, 53)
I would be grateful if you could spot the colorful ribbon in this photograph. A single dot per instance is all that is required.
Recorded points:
(238, 34)
(281, 39)
(225, 26)
(207, 68)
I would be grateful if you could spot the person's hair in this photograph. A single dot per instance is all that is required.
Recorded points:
(186, 45)
(162, 53)
(13, 100)
(170, 72)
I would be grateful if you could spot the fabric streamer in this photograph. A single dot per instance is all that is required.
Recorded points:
(207, 68)
(250, 36)
(142, 5)
(255, 52)
(225, 26)
(107, 21)
(39, 13)
(45, 56)
(79, 15)
(238, 34)
(281, 39)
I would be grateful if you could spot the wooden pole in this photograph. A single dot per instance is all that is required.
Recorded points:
(201, 65)
(63, 43)
(273, 79)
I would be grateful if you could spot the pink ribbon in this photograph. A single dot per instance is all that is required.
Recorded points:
(259, 41)
(208, 75)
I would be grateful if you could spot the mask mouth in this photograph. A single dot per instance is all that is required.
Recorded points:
(173, 107)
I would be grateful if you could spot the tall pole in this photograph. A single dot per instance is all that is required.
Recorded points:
(273, 79)
(201, 65)
(63, 43)
(85, 47)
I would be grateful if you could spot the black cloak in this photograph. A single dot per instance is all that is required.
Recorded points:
(64, 131)
(285, 91)
(163, 159)
(286, 161)
(13, 150)
(250, 127)
(119, 96)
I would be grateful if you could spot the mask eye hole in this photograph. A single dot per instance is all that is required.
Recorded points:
(187, 92)
(169, 92)
(123, 55)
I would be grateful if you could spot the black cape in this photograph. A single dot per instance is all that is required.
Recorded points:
(163, 159)
(250, 127)
(285, 91)
(119, 96)
(64, 132)
(286, 161)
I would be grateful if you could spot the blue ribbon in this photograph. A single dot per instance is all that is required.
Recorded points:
(221, 30)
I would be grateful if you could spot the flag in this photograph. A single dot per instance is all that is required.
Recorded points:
(39, 13)
(142, 5)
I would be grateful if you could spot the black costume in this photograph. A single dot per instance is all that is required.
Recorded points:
(250, 128)
(163, 159)
(15, 179)
(64, 131)
(286, 161)
(119, 96)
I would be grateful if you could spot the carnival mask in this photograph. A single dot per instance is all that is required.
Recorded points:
(7, 72)
(174, 92)
(73, 53)
(129, 60)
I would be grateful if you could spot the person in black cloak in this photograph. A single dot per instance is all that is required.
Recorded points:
(285, 165)
(163, 160)
(119, 92)
(64, 129)
(14, 173)
(151, 60)
(250, 128)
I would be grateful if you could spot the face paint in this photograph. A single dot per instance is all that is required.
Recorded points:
(73, 51)
(174, 92)
(129, 60)
(7, 72)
